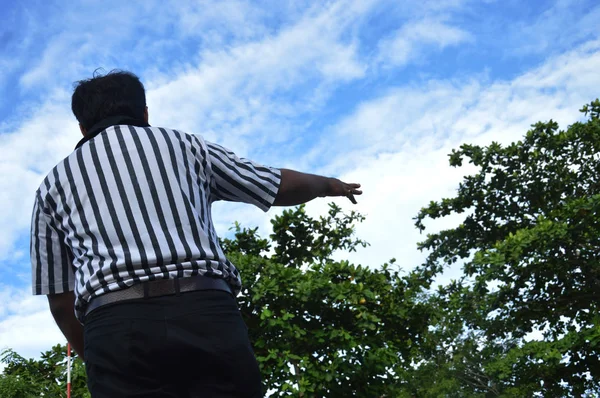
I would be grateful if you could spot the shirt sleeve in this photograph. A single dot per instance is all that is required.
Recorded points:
(51, 259)
(241, 180)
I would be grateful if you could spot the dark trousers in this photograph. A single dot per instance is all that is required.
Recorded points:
(192, 345)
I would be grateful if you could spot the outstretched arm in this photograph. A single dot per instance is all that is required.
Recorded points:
(297, 188)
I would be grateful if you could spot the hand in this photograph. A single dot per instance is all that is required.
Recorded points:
(297, 188)
(340, 188)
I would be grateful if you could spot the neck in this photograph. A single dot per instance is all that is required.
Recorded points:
(108, 122)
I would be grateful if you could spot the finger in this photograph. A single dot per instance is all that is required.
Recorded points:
(356, 192)
(351, 197)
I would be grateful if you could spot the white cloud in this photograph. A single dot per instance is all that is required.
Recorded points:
(409, 43)
(561, 26)
(26, 324)
(29, 151)
(193, 17)
(75, 39)
(397, 145)
(238, 90)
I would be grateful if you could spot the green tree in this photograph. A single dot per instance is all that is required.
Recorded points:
(530, 247)
(322, 327)
(47, 376)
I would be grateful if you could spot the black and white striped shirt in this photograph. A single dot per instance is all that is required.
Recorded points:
(133, 204)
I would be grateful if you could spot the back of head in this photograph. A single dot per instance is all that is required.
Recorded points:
(118, 93)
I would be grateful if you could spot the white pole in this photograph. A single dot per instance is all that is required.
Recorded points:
(68, 370)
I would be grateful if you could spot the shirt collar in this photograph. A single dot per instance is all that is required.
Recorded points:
(108, 122)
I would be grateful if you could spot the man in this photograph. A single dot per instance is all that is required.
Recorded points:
(124, 247)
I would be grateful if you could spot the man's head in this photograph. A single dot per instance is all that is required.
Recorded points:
(114, 94)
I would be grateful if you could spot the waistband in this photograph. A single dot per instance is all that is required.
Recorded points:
(158, 288)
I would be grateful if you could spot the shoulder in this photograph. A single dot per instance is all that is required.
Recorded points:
(56, 176)
(175, 132)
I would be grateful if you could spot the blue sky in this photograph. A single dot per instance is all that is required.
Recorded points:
(373, 91)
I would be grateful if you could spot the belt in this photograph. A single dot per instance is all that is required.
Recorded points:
(157, 288)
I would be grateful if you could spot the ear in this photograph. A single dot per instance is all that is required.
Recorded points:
(146, 115)
(82, 129)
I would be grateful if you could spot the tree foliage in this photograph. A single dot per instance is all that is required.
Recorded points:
(530, 249)
(47, 376)
(323, 327)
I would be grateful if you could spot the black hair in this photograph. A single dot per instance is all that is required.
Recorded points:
(113, 94)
